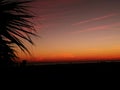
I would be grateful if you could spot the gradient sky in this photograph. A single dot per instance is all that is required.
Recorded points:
(76, 29)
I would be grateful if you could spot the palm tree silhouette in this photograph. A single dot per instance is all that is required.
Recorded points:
(7, 53)
(15, 28)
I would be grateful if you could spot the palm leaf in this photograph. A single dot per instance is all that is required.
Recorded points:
(15, 24)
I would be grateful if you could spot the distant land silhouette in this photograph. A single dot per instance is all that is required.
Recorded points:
(60, 71)
(64, 67)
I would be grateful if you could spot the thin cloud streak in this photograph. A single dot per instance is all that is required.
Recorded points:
(103, 27)
(96, 19)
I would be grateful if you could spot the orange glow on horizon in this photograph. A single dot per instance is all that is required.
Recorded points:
(86, 56)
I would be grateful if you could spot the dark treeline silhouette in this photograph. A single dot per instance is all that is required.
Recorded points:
(15, 29)
(23, 64)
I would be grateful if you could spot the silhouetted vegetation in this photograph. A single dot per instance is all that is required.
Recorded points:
(23, 63)
(15, 29)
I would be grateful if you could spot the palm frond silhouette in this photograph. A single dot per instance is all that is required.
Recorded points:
(7, 53)
(15, 27)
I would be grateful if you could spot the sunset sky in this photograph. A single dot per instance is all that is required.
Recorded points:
(75, 29)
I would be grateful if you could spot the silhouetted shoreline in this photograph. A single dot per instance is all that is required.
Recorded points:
(60, 71)
(77, 64)
(61, 62)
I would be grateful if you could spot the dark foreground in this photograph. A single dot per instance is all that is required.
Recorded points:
(60, 73)
(63, 70)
